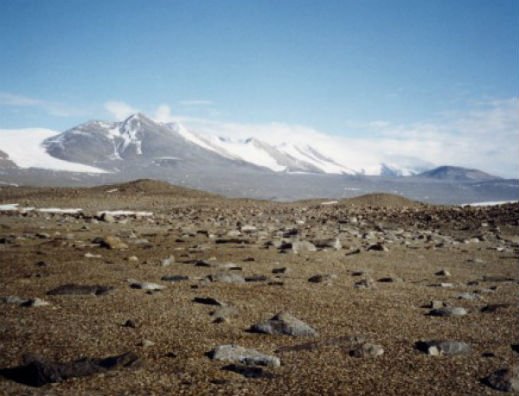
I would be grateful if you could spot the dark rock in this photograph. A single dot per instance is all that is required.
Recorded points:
(37, 371)
(248, 371)
(74, 289)
(174, 278)
(208, 301)
(256, 278)
(505, 380)
(494, 307)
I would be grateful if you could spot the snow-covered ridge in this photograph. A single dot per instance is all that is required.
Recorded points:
(24, 148)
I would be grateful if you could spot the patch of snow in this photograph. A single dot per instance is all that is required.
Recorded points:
(112, 190)
(489, 203)
(60, 210)
(329, 203)
(9, 184)
(9, 207)
(310, 156)
(24, 148)
(116, 213)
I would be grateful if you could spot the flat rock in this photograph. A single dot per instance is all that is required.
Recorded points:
(240, 355)
(226, 278)
(145, 285)
(320, 278)
(367, 350)
(365, 284)
(38, 371)
(209, 301)
(14, 300)
(174, 278)
(35, 302)
(111, 242)
(443, 347)
(505, 380)
(74, 289)
(284, 324)
(448, 311)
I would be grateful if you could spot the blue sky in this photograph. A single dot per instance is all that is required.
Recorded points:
(358, 69)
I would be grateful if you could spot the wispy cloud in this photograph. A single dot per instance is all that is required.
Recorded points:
(51, 107)
(8, 99)
(119, 110)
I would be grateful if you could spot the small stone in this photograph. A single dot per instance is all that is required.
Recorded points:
(14, 300)
(300, 246)
(444, 347)
(436, 304)
(133, 258)
(443, 272)
(107, 218)
(226, 278)
(365, 283)
(469, 296)
(367, 350)
(145, 285)
(280, 270)
(240, 355)
(130, 323)
(284, 324)
(505, 380)
(322, 278)
(35, 302)
(209, 301)
(448, 311)
(378, 247)
(167, 261)
(146, 343)
(111, 242)
(174, 278)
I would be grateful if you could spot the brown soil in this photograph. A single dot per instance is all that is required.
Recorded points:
(421, 240)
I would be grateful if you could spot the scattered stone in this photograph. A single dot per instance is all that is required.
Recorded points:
(301, 246)
(43, 264)
(107, 217)
(130, 323)
(284, 324)
(281, 270)
(35, 302)
(74, 289)
(38, 371)
(469, 296)
(367, 350)
(437, 304)
(505, 380)
(133, 258)
(248, 371)
(226, 278)
(328, 278)
(352, 252)
(365, 283)
(448, 311)
(209, 301)
(240, 355)
(111, 242)
(378, 247)
(174, 278)
(443, 272)
(223, 314)
(390, 279)
(256, 278)
(145, 285)
(167, 261)
(443, 347)
(497, 279)
(90, 255)
(494, 307)
(146, 343)
(333, 243)
(14, 300)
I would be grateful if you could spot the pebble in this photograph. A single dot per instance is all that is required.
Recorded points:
(145, 285)
(505, 380)
(448, 311)
(367, 350)
(444, 347)
(240, 355)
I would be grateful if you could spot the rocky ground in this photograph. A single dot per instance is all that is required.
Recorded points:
(196, 294)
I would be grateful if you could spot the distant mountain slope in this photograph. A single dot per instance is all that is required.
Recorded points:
(456, 173)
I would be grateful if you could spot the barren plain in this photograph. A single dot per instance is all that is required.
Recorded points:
(379, 295)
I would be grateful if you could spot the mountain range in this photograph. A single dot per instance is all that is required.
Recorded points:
(99, 152)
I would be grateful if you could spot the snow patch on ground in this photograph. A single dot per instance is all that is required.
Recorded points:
(117, 213)
(489, 203)
(23, 146)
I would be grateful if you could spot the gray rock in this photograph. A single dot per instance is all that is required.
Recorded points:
(74, 289)
(145, 285)
(469, 296)
(300, 246)
(448, 311)
(328, 278)
(505, 380)
(35, 302)
(240, 355)
(365, 283)
(167, 261)
(443, 272)
(367, 350)
(284, 324)
(14, 300)
(174, 278)
(444, 347)
(226, 278)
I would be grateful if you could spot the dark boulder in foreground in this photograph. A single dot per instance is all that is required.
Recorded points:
(37, 371)
(73, 289)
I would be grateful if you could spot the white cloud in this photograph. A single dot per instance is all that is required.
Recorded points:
(163, 114)
(119, 110)
(8, 99)
(53, 108)
(484, 137)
